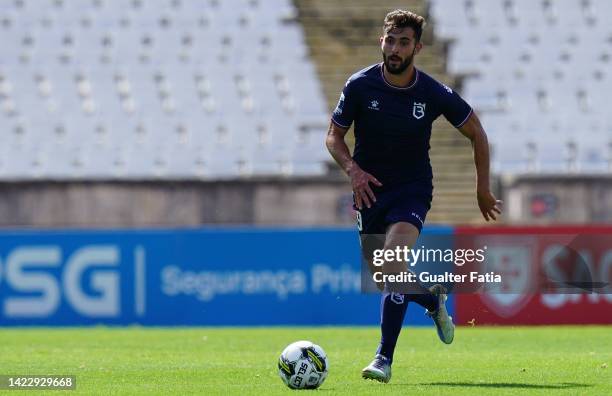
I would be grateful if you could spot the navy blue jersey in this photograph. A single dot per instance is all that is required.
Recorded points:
(393, 124)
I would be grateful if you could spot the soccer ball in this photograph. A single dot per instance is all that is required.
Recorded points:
(303, 365)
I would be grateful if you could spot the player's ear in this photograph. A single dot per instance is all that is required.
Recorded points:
(380, 40)
(418, 47)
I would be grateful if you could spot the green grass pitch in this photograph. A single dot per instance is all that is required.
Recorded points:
(242, 361)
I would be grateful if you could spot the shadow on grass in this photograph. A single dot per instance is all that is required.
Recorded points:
(565, 385)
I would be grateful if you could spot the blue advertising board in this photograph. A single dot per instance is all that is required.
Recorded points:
(211, 276)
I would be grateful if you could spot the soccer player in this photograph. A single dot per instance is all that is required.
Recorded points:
(393, 106)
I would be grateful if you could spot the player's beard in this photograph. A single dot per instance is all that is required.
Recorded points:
(401, 67)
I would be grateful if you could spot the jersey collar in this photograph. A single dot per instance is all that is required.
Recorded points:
(416, 79)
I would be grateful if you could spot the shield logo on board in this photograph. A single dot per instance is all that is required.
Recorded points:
(514, 262)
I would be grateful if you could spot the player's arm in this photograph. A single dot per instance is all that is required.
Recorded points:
(472, 129)
(359, 178)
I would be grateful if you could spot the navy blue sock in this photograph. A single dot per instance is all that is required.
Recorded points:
(392, 311)
(426, 300)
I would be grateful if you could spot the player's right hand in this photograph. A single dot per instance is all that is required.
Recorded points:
(360, 181)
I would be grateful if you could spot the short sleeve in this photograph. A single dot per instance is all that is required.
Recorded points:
(346, 109)
(453, 107)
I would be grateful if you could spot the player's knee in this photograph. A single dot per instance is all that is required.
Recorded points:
(401, 233)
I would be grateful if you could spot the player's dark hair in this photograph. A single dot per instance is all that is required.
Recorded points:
(399, 19)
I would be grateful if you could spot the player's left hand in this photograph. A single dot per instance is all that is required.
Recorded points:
(488, 204)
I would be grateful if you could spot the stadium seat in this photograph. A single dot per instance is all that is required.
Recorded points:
(546, 62)
(129, 73)
(484, 14)
(526, 13)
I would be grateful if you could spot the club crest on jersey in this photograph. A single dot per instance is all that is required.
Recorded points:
(418, 110)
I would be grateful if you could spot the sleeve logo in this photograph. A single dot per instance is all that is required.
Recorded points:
(340, 105)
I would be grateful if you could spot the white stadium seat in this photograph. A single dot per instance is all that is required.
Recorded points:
(140, 89)
(537, 65)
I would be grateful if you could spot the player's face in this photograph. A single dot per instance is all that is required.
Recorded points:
(399, 48)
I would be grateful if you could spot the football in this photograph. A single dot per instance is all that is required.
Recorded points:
(303, 365)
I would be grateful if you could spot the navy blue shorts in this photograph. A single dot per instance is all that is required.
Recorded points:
(404, 203)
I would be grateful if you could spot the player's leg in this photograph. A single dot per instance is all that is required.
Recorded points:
(399, 235)
(412, 209)
(393, 304)
(369, 244)
(406, 221)
(372, 226)
(432, 299)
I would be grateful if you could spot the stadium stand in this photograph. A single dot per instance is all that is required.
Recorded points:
(132, 89)
(193, 104)
(538, 72)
